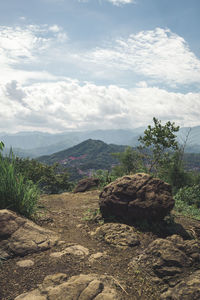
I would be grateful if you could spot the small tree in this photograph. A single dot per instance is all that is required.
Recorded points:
(130, 161)
(157, 143)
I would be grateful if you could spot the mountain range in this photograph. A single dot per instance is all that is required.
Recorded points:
(34, 144)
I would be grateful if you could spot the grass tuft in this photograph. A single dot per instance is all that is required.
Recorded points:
(16, 193)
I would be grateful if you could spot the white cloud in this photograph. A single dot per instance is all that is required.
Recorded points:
(22, 18)
(121, 2)
(51, 104)
(114, 2)
(157, 54)
(70, 104)
(22, 45)
(55, 28)
(22, 50)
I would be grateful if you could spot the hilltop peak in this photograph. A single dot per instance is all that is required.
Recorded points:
(85, 158)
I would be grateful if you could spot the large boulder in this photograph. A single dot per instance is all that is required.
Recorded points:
(80, 287)
(136, 197)
(86, 184)
(20, 236)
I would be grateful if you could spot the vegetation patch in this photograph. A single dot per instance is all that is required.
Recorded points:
(16, 193)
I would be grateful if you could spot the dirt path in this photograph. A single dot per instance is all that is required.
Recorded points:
(68, 215)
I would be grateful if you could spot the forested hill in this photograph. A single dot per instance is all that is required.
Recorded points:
(85, 157)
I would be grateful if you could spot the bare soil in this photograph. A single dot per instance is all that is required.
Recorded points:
(62, 213)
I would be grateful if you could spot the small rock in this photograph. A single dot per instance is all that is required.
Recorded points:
(96, 256)
(76, 250)
(57, 254)
(25, 263)
(80, 225)
(86, 184)
(118, 235)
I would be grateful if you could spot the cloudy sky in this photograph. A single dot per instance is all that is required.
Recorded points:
(98, 64)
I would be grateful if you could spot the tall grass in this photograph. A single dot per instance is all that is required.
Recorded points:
(16, 193)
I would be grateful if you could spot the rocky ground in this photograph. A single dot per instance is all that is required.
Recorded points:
(114, 261)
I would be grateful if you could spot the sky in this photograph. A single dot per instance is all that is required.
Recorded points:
(98, 64)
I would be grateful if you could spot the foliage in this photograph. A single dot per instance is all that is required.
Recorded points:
(118, 171)
(157, 142)
(189, 195)
(187, 201)
(159, 154)
(16, 193)
(93, 216)
(187, 210)
(131, 161)
(50, 179)
(105, 177)
(1, 145)
(174, 173)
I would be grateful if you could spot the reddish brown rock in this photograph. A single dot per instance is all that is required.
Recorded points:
(136, 197)
(86, 184)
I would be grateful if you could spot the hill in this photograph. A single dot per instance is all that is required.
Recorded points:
(34, 144)
(85, 157)
(91, 155)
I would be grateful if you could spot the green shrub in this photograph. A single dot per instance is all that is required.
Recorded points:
(187, 201)
(16, 193)
(189, 195)
(187, 210)
(105, 177)
(131, 161)
(50, 179)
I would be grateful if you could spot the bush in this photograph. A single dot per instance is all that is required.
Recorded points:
(131, 161)
(50, 179)
(16, 193)
(189, 195)
(187, 210)
(173, 172)
(187, 201)
(105, 177)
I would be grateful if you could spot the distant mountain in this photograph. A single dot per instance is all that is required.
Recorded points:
(85, 157)
(35, 140)
(34, 144)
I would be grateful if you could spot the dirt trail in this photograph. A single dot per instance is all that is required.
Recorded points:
(67, 214)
